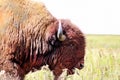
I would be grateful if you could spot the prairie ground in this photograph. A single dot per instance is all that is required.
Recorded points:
(102, 61)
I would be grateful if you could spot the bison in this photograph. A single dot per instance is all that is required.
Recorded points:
(32, 37)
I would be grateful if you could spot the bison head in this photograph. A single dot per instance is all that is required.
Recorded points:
(68, 49)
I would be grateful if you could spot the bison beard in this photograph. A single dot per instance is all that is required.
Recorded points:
(40, 40)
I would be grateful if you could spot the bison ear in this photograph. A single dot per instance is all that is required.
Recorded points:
(60, 34)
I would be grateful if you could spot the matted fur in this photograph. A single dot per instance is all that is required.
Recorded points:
(29, 40)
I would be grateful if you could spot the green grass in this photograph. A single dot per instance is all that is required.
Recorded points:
(102, 61)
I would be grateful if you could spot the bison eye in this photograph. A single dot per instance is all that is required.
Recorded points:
(52, 40)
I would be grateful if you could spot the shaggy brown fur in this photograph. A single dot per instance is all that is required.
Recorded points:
(29, 40)
(70, 53)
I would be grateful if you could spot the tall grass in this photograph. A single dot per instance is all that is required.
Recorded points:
(102, 61)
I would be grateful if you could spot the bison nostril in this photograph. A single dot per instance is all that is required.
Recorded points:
(81, 65)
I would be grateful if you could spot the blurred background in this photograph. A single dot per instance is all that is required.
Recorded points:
(92, 16)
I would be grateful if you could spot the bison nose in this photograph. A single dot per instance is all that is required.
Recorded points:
(81, 65)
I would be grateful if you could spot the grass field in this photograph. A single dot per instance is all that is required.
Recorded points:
(102, 61)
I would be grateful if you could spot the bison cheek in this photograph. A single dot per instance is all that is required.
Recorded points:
(67, 62)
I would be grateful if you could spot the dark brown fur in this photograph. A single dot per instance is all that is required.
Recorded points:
(69, 53)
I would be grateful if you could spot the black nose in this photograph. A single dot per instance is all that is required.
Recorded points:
(81, 65)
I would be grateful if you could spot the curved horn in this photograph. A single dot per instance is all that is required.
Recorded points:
(60, 34)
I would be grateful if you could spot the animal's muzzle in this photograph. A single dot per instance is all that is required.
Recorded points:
(81, 65)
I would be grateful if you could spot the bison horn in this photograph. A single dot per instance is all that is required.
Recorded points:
(60, 34)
